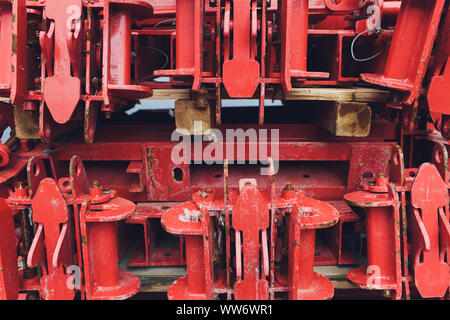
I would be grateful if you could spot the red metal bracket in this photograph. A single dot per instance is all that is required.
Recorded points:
(439, 91)
(119, 15)
(439, 158)
(6, 52)
(251, 217)
(384, 266)
(304, 283)
(19, 52)
(50, 247)
(9, 276)
(62, 88)
(241, 74)
(150, 251)
(430, 232)
(189, 42)
(295, 43)
(98, 218)
(410, 49)
(186, 220)
(343, 5)
(92, 227)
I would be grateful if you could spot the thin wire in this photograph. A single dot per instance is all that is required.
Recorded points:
(159, 50)
(163, 53)
(376, 30)
(168, 20)
(165, 64)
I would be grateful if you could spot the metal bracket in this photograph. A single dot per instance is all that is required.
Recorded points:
(430, 230)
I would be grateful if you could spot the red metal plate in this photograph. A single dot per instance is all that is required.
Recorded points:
(250, 216)
(428, 194)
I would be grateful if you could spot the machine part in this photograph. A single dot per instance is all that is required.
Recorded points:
(98, 221)
(4, 155)
(430, 232)
(189, 14)
(117, 68)
(241, 73)
(195, 226)
(51, 247)
(250, 219)
(439, 79)
(294, 50)
(253, 236)
(73, 75)
(62, 91)
(420, 235)
(94, 218)
(401, 72)
(383, 270)
(9, 276)
(304, 283)
(151, 251)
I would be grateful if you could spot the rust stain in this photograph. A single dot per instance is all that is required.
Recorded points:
(14, 43)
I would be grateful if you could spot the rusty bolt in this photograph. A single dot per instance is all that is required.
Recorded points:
(288, 187)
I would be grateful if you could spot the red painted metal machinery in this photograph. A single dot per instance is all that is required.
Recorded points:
(86, 184)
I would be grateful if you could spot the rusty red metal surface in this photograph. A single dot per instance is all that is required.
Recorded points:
(429, 226)
(87, 183)
(9, 278)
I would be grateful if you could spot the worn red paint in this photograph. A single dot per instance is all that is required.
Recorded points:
(69, 64)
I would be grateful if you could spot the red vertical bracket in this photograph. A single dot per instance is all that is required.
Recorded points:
(119, 15)
(411, 47)
(343, 5)
(304, 283)
(50, 212)
(36, 172)
(295, 43)
(19, 52)
(429, 198)
(189, 45)
(440, 91)
(62, 89)
(241, 74)
(6, 43)
(251, 217)
(186, 220)
(384, 265)
(158, 167)
(9, 277)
